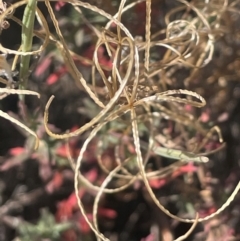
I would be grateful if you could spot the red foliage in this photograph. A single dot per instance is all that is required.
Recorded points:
(158, 183)
(16, 151)
(83, 225)
(207, 211)
(54, 77)
(43, 66)
(150, 237)
(63, 149)
(59, 5)
(55, 183)
(102, 58)
(66, 207)
(185, 169)
(69, 235)
(73, 148)
(107, 213)
(140, 11)
(69, 207)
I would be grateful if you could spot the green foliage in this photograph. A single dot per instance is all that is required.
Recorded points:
(46, 227)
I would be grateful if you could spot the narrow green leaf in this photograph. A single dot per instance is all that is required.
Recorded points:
(27, 37)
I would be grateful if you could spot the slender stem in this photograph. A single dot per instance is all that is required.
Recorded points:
(27, 37)
(148, 37)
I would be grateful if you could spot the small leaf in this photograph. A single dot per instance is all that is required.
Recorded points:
(16, 151)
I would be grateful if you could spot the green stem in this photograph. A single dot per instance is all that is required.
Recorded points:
(27, 37)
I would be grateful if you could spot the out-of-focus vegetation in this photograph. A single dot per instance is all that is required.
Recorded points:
(142, 139)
